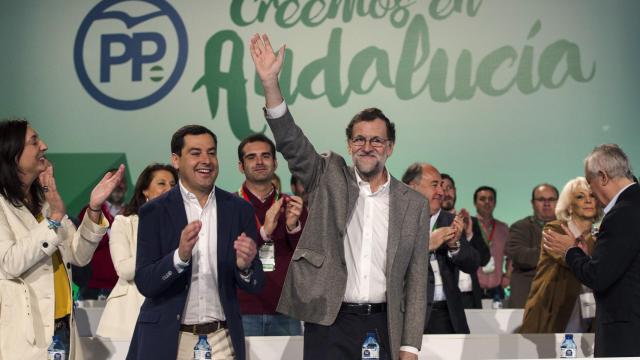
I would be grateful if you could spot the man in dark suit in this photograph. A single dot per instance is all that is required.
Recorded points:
(467, 283)
(361, 260)
(613, 270)
(195, 249)
(449, 252)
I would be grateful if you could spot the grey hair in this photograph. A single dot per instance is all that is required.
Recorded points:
(566, 197)
(412, 174)
(610, 159)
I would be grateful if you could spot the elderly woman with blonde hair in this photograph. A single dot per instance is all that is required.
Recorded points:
(554, 299)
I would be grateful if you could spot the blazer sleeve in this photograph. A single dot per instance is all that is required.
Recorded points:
(416, 285)
(303, 160)
(120, 240)
(616, 248)
(19, 255)
(255, 282)
(517, 248)
(467, 258)
(478, 243)
(155, 271)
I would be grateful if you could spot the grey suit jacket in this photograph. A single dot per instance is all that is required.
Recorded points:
(316, 281)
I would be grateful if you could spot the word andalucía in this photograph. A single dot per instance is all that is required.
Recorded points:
(419, 69)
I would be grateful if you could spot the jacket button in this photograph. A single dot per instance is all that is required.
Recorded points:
(178, 317)
(45, 244)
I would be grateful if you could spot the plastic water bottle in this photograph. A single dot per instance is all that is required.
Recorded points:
(497, 302)
(568, 348)
(202, 350)
(370, 347)
(56, 350)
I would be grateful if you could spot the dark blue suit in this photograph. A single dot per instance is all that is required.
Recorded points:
(161, 222)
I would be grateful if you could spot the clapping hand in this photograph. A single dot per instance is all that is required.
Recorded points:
(51, 195)
(271, 217)
(293, 212)
(245, 251)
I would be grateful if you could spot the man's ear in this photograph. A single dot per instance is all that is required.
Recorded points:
(175, 158)
(241, 167)
(603, 178)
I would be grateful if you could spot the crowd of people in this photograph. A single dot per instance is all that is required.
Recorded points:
(352, 250)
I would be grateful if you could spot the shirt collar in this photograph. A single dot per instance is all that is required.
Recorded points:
(433, 219)
(364, 185)
(250, 193)
(191, 197)
(615, 199)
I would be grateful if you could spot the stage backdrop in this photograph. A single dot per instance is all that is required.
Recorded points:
(505, 93)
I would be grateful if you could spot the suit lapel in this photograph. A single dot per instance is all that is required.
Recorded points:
(177, 213)
(224, 226)
(353, 191)
(398, 205)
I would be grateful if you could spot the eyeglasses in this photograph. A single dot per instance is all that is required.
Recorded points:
(544, 200)
(376, 141)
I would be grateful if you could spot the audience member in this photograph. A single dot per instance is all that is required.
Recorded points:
(613, 269)
(449, 194)
(449, 251)
(121, 311)
(361, 260)
(492, 277)
(555, 291)
(525, 237)
(195, 248)
(37, 244)
(278, 221)
(467, 282)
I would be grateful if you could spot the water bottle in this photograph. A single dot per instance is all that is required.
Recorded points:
(568, 348)
(202, 350)
(370, 347)
(56, 350)
(497, 302)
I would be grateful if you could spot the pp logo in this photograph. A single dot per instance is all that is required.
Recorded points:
(130, 54)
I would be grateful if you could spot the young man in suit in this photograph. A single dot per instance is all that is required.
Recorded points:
(361, 261)
(449, 252)
(195, 248)
(613, 270)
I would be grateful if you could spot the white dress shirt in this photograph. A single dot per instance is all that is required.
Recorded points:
(365, 245)
(203, 301)
(438, 291)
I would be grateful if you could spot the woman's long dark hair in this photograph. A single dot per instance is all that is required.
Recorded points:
(12, 133)
(144, 180)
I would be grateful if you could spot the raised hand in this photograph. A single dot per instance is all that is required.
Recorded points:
(271, 217)
(188, 239)
(293, 212)
(245, 251)
(101, 192)
(51, 195)
(268, 65)
(468, 224)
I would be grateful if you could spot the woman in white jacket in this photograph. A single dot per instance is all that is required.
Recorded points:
(121, 312)
(37, 245)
